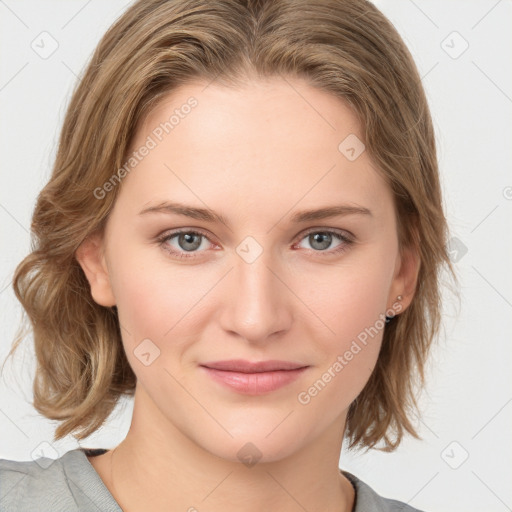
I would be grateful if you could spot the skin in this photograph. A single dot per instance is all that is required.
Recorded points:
(256, 154)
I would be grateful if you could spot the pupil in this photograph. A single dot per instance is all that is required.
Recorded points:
(323, 239)
(188, 238)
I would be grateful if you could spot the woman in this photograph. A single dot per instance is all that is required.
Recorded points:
(243, 230)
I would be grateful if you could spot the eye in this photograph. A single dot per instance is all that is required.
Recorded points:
(184, 242)
(187, 243)
(322, 240)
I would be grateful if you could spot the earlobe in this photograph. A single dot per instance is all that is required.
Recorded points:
(405, 281)
(91, 258)
(410, 271)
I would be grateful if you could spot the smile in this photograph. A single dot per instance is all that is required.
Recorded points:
(253, 378)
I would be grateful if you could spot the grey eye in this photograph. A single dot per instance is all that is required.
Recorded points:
(189, 241)
(320, 241)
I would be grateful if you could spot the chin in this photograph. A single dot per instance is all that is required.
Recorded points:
(252, 445)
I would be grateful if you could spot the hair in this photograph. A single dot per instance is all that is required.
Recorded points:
(344, 47)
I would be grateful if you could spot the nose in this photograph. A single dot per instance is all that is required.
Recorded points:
(258, 304)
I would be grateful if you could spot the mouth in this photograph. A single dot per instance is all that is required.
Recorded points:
(243, 366)
(254, 378)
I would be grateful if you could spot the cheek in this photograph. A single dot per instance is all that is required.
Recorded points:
(146, 304)
(339, 317)
(160, 308)
(349, 306)
(349, 298)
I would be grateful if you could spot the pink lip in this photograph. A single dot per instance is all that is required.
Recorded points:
(254, 378)
(243, 366)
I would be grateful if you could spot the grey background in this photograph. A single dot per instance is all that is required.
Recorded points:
(463, 461)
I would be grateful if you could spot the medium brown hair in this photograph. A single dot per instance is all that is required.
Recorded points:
(344, 47)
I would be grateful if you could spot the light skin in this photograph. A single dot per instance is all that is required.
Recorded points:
(256, 154)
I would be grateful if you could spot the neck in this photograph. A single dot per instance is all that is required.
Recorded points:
(157, 467)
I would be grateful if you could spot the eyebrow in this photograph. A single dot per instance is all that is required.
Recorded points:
(208, 215)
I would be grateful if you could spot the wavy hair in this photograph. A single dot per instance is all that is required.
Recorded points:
(345, 47)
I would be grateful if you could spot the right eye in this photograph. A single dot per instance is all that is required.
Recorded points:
(186, 242)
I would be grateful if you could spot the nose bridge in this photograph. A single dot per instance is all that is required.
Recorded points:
(260, 306)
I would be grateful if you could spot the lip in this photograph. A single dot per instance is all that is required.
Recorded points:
(254, 378)
(244, 366)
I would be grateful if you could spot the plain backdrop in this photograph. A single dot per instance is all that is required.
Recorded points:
(463, 51)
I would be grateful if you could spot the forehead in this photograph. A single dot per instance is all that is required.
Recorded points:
(276, 111)
(268, 140)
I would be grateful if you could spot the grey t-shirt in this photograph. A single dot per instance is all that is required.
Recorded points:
(70, 484)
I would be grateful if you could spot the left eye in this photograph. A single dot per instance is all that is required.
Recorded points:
(322, 240)
(187, 243)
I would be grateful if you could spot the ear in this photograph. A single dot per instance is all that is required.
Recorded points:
(406, 277)
(90, 255)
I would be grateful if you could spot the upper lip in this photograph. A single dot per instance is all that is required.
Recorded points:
(241, 365)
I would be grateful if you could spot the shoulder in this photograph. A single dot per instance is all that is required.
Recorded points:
(367, 500)
(32, 484)
(68, 484)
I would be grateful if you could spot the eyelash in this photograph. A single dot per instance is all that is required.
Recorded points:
(162, 239)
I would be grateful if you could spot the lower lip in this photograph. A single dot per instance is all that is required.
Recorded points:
(254, 383)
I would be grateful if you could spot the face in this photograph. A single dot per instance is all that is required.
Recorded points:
(255, 277)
